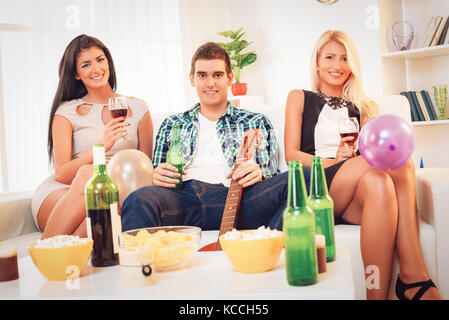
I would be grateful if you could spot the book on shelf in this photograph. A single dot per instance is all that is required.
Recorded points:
(422, 106)
(430, 30)
(439, 31)
(444, 33)
(446, 38)
(413, 112)
(417, 107)
(434, 27)
(435, 111)
(429, 105)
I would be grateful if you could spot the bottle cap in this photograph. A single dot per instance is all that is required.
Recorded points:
(296, 163)
(98, 154)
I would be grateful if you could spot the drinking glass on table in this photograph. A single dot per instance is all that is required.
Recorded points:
(118, 107)
(349, 127)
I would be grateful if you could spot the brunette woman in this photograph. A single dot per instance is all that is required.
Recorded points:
(79, 118)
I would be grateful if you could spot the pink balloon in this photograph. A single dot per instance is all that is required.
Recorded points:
(386, 142)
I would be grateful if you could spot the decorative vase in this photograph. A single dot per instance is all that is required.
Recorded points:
(403, 34)
(239, 89)
(440, 96)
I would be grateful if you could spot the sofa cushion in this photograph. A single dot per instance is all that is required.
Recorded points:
(15, 215)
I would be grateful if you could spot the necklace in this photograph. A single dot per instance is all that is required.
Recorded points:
(334, 102)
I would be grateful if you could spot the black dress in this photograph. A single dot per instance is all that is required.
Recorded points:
(319, 133)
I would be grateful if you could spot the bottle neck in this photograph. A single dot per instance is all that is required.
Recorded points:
(297, 193)
(100, 169)
(175, 137)
(318, 185)
(174, 144)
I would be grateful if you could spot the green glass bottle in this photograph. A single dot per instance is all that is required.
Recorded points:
(103, 221)
(299, 231)
(174, 154)
(322, 204)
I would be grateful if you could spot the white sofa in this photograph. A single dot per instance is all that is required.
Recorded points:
(17, 227)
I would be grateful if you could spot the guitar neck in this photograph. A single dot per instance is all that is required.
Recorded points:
(232, 204)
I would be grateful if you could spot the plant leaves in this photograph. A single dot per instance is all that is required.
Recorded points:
(242, 45)
(239, 36)
(234, 48)
(226, 34)
(247, 59)
(236, 33)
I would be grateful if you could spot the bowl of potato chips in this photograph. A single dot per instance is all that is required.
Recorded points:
(173, 246)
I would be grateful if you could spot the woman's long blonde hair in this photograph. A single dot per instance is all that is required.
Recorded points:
(352, 89)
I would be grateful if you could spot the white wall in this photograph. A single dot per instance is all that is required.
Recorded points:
(284, 34)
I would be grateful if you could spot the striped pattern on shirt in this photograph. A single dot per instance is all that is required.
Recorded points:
(230, 130)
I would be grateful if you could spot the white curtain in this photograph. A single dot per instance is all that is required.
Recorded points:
(142, 35)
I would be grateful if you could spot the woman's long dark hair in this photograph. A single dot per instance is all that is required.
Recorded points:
(70, 88)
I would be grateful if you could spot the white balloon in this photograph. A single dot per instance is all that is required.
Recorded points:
(131, 169)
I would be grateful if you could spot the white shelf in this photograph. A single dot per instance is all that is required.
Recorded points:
(419, 53)
(416, 69)
(429, 123)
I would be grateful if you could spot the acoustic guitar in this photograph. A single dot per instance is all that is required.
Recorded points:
(246, 152)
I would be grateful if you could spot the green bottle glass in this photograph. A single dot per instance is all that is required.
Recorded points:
(103, 221)
(322, 204)
(299, 231)
(174, 154)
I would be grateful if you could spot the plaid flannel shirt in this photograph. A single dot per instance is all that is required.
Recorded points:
(230, 130)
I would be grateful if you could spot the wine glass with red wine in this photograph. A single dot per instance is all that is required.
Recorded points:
(349, 127)
(118, 107)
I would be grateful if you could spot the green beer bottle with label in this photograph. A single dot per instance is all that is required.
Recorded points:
(323, 206)
(103, 221)
(299, 231)
(174, 154)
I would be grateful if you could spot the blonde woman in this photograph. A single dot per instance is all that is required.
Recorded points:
(383, 203)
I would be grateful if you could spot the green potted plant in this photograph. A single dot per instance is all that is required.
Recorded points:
(239, 60)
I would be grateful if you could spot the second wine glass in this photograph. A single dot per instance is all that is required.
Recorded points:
(349, 127)
(118, 107)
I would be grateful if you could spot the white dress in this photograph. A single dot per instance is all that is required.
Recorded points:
(86, 131)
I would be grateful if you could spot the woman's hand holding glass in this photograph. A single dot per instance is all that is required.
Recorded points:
(349, 131)
(114, 130)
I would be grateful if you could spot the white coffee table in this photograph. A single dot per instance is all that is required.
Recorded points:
(208, 276)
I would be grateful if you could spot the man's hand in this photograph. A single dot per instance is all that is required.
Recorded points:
(164, 175)
(247, 174)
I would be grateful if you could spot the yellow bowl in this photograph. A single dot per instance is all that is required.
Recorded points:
(253, 256)
(54, 263)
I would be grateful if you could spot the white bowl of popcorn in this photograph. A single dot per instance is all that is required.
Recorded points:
(58, 257)
(253, 251)
(173, 245)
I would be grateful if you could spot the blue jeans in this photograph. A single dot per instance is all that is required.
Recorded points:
(201, 204)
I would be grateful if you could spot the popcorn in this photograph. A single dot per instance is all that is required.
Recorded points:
(60, 241)
(260, 233)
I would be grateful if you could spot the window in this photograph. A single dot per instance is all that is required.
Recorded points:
(142, 35)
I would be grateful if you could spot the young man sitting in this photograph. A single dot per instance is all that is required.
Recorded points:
(211, 133)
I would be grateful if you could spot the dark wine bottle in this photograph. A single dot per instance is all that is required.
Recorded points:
(103, 221)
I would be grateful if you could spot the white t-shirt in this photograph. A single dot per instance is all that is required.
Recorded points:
(208, 164)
